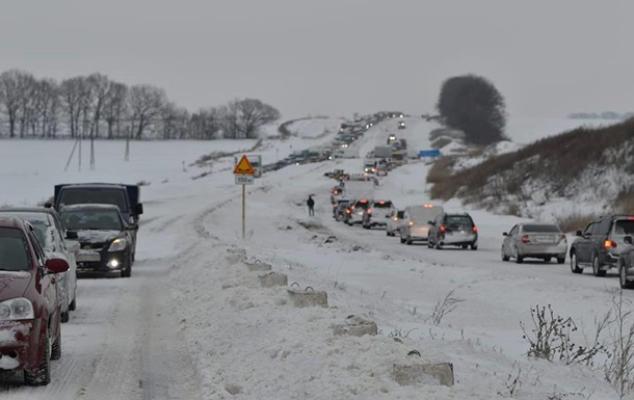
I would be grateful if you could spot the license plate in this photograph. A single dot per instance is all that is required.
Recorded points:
(89, 256)
(544, 239)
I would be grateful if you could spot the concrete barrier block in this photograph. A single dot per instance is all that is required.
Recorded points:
(423, 373)
(356, 326)
(257, 265)
(271, 279)
(307, 297)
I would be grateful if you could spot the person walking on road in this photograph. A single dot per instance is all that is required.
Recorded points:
(311, 206)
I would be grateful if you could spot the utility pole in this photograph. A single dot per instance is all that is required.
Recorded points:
(126, 156)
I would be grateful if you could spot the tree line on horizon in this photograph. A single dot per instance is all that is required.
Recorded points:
(95, 106)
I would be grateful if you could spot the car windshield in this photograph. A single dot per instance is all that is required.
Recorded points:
(382, 204)
(14, 255)
(91, 219)
(544, 228)
(459, 222)
(72, 196)
(624, 227)
(362, 204)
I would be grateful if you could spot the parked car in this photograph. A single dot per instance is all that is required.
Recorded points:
(30, 311)
(378, 214)
(600, 244)
(56, 244)
(354, 213)
(401, 125)
(453, 230)
(393, 222)
(415, 226)
(105, 238)
(391, 139)
(542, 241)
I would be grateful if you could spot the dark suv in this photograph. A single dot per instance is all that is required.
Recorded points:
(599, 246)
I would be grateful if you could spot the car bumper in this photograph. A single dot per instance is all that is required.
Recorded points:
(19, 344)
(542, 250)
(105, 265)
(459, 239)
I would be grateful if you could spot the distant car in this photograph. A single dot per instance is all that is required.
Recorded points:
(354, 213)
(453, 230)
(378, 214)
(401, 125)
(599, 245)
(541, 241)
(393, 222)
(30, 311)
(415, 226)
(54, 241)
(105, 238)
(391, 139)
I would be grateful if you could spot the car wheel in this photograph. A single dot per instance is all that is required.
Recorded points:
(596, 267)
(408, 241)
(65, 316)
(465, 247)
(574, 265)
(56, 348)
(41, 375)
(561, 260)
(519, 259)
(547, 259)
(504, 256)
(474, 247)
(127, 272)
(623, 281)
(402, 239)
(438, 246)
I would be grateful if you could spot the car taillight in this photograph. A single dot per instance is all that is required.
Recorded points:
(370, 211)
(609, 244)
(475, 229)
(411, 223)
(443, 228)
(395, 218)
(526, 239)
(348, 211)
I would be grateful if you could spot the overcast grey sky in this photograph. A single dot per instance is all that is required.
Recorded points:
(548, 57)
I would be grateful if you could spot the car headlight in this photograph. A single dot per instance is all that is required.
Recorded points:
(16, 309)
(118, 245)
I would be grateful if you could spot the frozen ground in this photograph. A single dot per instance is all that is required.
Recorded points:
(193, 322)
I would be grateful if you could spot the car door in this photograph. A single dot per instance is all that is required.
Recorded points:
(510, 240)
(71, 275)
(583, 244)
(47, 283)
(403, 223)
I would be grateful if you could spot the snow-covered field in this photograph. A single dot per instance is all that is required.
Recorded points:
(193, 321)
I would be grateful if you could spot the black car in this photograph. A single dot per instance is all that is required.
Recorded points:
(339, 209)
(106, 239)
(600, 244)
(626, 264)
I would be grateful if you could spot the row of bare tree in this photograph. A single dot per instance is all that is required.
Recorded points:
(96, 106)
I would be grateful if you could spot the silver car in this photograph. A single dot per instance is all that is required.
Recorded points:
(394, 223)
(541, 241)
(415, 226)
(52, 237)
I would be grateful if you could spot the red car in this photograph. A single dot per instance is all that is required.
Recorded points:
(30, 311)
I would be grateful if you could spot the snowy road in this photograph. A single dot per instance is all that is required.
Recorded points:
(193, 323)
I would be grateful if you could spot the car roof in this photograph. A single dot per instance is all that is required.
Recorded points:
(11, 222)
(39, 210)
(96, 185)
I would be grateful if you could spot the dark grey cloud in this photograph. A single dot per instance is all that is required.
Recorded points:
(548, 57)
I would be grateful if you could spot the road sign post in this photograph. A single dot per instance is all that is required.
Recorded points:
(244, 173)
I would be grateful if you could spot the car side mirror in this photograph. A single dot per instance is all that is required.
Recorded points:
(138, 209)
(56, 265)
(579, 233)
(48, 204)
(72, 235)
(505, 234)
(628, 240)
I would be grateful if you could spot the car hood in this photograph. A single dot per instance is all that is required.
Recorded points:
(13, 284)
(97, 236)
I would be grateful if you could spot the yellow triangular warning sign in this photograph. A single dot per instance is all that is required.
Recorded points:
(244, 167)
